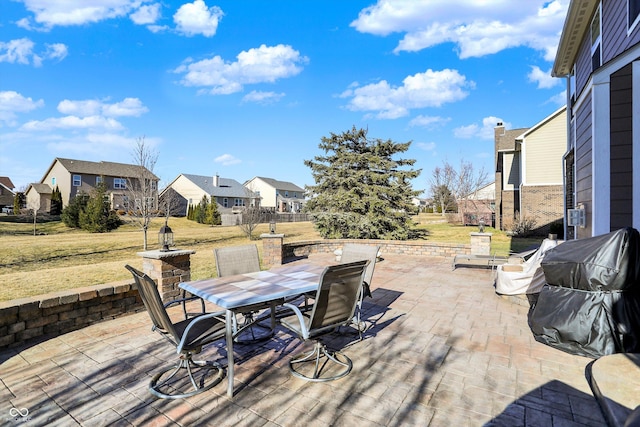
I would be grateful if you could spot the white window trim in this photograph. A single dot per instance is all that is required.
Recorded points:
(79, 181)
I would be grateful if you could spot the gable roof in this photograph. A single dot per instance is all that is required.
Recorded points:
(40, 188)
(575, 27)
(226, 187)
(280, 185)
(99, 168)
(9, 190)
(6, 182)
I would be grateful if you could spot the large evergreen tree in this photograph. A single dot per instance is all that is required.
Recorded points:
(361, 191)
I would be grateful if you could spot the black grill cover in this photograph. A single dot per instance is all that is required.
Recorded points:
(591, 303)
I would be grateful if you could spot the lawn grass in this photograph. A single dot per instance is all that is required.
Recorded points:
(59, 258)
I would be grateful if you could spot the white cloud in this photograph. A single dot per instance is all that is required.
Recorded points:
(50, 13)
(477, 28)
(56, 51)
(227, 160)
(72, 122)
(89, 114)
(196, 18)
(12, 102)
(483, 131)
(429, 122)
(130, 107)
(559, 99)
(16, 51)
(146, 15)
(21, 51)
(542, 78)
(428, 89)
(257, 65)
(262, 97)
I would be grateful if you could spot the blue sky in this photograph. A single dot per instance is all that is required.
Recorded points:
(248, 88)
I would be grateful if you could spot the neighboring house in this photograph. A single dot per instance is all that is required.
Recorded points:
(6, 192)
(189, 189)
(38, 197)
(598, 55)
(73, 177)
(479, 206)
(529, 172)
(281, 196)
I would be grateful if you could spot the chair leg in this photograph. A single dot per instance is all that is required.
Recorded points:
(250, 324)
(316, 356)
(170, 386)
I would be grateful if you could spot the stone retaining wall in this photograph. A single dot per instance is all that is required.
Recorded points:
(27, 319)
(413, 248)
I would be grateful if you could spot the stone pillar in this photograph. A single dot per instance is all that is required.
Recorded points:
(168, 269)
(271, 249)
(480, 243)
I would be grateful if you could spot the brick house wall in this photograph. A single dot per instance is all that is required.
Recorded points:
(545, 203)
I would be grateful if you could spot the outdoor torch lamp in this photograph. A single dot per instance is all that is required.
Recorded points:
(165, 238)
(272, 227)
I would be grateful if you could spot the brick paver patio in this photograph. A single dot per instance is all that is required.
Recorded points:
(443, 350)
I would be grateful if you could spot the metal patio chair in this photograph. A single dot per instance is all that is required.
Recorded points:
(188, 336)
(243, 259)
(355, 252)
(335, 303)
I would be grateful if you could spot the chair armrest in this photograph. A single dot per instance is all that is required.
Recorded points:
(300, 316)
(216, 315)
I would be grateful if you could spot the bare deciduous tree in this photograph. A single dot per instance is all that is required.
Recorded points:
(142, 187)
(463, 183)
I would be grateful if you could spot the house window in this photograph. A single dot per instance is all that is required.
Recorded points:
(286, 194)
(125, 202)
(119, 183)
(295, 195)
(77, 180)
(239, 202)
(53, 181)
(225, 202)
(99, 180)
(596, 41)
(633, 13)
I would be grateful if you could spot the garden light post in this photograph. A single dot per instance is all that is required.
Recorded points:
(165, 238)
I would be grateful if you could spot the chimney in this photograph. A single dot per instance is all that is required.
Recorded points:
(216, 180)
(498, 131)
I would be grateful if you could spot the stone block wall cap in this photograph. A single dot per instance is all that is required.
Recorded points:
(264, 235)
(481, 234)
(158, 254)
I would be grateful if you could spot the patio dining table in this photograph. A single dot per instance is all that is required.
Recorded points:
(232, 293)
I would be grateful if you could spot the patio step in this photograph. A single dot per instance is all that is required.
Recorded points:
(615, 382)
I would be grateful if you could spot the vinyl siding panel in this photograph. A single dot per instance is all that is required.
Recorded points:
(584, 163)
(614, 24)
(544, 150)
(187, 189)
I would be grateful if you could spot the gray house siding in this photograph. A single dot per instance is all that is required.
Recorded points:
(584, 163)
(583, 66)
(615, 39)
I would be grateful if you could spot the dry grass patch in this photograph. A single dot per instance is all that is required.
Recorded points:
(61, 258)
